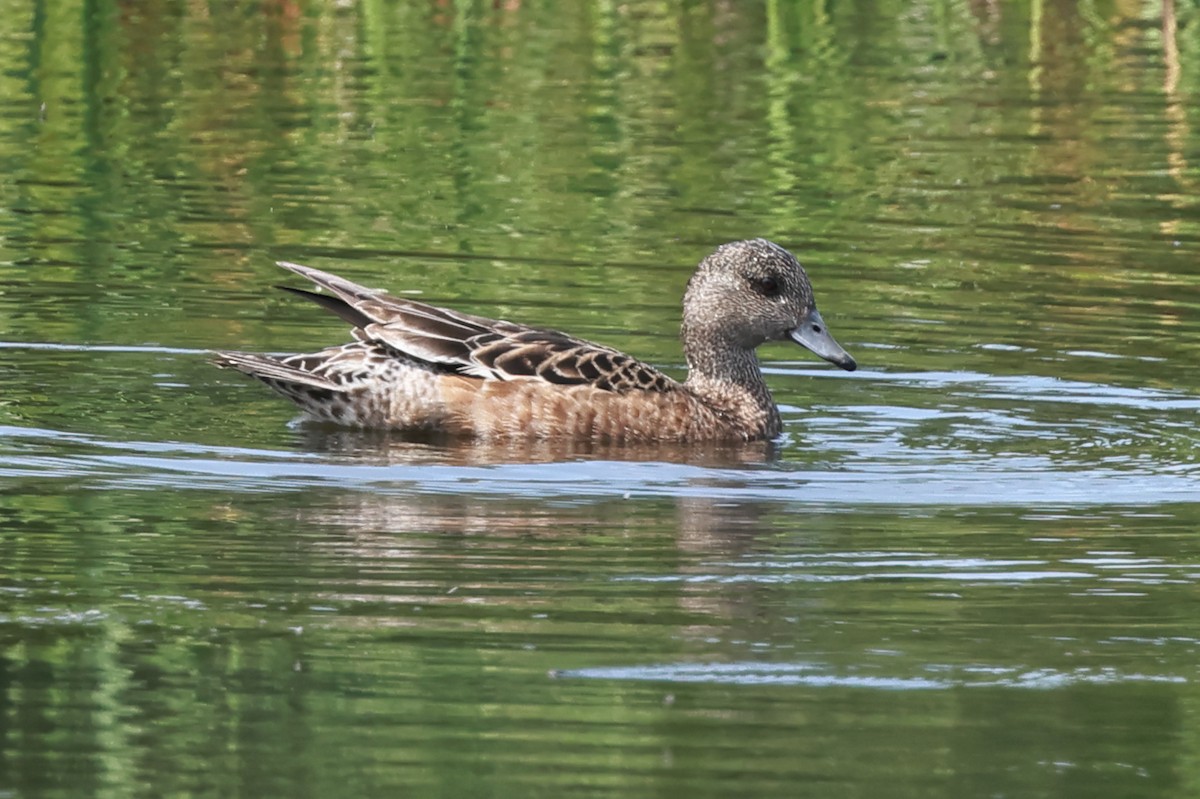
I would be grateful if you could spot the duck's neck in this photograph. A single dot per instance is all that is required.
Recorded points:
(729, 379)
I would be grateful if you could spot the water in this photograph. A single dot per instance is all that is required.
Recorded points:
(969, 568)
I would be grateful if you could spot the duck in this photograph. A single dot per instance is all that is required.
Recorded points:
(419, 368)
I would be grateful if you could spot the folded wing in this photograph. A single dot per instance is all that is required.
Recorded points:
(487, 349)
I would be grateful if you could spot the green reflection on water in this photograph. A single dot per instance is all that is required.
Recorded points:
(194, 642)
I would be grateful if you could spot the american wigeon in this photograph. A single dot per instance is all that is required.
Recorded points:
(417, 367)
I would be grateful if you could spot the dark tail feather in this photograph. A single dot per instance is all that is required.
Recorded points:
(334, 305)
(271, 370)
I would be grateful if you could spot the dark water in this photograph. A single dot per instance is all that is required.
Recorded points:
(971, 568)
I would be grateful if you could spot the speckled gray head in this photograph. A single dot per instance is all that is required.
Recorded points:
(747, 293)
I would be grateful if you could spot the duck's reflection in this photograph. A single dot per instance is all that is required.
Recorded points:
(537, 557)
(382, 447)
(402, 544)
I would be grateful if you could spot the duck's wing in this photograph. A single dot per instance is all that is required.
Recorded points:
(475, 346)
(513, 352)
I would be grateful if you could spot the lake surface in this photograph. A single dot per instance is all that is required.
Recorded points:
(971, 568)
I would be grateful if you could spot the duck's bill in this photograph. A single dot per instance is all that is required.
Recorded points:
(812, 334)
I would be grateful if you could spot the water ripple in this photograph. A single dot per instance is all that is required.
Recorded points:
(818, 675)
(1011, 480)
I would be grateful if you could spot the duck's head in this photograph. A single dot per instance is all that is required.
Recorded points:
(747, 293)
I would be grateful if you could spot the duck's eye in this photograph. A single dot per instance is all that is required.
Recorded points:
(767, 285)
